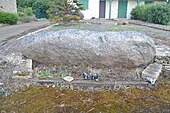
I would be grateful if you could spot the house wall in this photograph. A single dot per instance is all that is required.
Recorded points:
(114, 10)
(8, 6)
(132, 4)
(93, 10)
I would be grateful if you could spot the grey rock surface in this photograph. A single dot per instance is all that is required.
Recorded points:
(126, 49)
(17, 61)
(166, 71)
(152, 72)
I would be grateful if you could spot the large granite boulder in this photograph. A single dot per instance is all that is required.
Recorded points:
(82, 47)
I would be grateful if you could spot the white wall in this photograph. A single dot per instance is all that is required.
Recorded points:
(132, 4)
(114, 10)
(93, 10)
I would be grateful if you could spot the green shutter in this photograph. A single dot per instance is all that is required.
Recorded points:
(122, 8)
(85, 3)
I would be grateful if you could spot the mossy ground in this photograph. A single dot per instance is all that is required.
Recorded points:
(55, 100)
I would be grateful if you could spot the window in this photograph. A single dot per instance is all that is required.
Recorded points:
(85, 3)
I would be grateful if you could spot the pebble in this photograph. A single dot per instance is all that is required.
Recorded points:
(15, 72)
(1, 84)
(53, 86)
(68, 78)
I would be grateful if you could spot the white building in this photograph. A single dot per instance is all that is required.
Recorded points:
(109, 8)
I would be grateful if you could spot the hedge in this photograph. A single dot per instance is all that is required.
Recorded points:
(8, 18)
(154, 13)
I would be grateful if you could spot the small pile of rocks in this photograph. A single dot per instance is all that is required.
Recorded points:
(161, 65)
(163, 58)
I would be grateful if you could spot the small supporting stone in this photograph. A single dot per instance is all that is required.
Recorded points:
(152, 72)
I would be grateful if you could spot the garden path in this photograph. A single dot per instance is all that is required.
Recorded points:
(15, 30)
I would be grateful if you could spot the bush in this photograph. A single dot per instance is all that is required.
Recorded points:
(26, 19)
(138, 13)
(8, 18)
(39, 8)
(154, 13)
(25, 3)
(25, 14)
(158, 14)
(25, 11)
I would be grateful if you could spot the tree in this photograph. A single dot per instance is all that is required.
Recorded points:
(64, 11)
(25, 3)
(40, 7)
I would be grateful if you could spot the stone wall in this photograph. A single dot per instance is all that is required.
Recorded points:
(8, 6)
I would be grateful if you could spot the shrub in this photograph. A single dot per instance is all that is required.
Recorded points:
(158, 13)
(26, 19)
(8, 18)
(40, 7)
(25, 11)
(138, 13)
(25, 14)
(154, 13)
(28, 11)
(25, 3)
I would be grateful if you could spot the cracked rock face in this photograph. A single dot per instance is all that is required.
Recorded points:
(76, 47)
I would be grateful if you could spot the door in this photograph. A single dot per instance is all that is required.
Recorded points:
(102, 8)
(122, 8)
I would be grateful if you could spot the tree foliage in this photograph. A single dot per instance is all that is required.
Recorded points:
(64, 11)
(154, 13)
(39, 7)
(8, 18)
(25, 3)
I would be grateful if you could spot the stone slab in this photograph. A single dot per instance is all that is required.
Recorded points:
(152, 72)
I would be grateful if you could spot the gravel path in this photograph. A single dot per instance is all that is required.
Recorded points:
(14, 30)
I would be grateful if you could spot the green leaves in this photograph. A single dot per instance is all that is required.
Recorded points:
(64, 11)
(154, 13)
(39, 7)
(8, 18)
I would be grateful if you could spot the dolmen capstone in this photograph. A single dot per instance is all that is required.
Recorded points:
(127, 49)
(126, 53)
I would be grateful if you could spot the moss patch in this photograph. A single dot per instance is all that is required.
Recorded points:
(42, 99)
